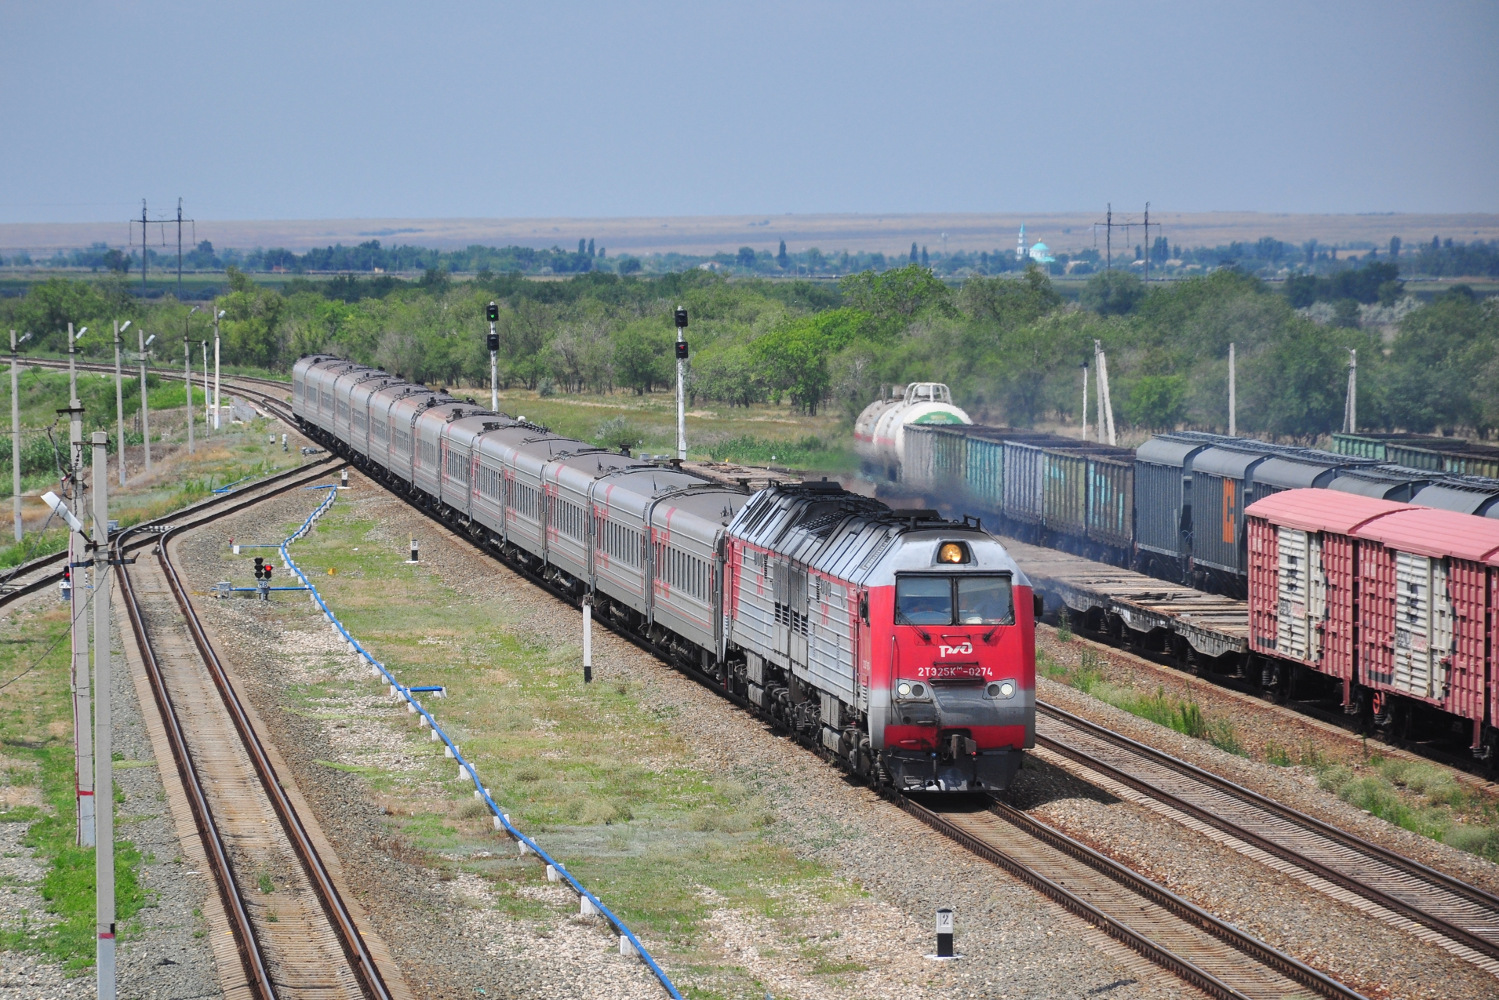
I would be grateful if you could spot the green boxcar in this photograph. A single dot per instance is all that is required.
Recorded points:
(1111, 499)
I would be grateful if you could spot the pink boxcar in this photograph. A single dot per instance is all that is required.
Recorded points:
(1426, 593)
(1303, 577)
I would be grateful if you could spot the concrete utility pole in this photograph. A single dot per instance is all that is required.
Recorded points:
(78, 598)
(73, 339)
(1350, 408)
(1233, 401)
(681, 320)
(104, 833)
(145, 342)
(187, 376)
(15, 426)
(492, 313)
(207, 428)
(218, 314)
(1105, 406)
(1085, 400)
(120, 401)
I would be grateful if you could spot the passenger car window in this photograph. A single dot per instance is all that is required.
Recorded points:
(985, 600)
(923, 600)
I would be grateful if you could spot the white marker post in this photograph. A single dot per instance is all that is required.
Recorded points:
(104, 835)
(944, 933)
(588, 639)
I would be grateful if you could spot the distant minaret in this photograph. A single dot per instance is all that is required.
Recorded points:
(1020, 244)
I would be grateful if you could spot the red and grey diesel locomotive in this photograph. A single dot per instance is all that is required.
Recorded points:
(900, 643)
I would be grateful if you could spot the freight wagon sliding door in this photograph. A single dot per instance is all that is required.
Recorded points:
(1301, 594)
(1423, 626)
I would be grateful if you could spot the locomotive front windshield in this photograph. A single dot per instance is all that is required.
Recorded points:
(969, 599)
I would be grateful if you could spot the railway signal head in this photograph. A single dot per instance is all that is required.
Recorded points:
(259, 568)
(492, 312)
(681, 318)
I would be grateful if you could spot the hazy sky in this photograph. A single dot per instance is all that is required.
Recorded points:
(267, 110)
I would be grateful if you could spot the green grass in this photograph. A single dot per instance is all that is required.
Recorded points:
(591, 771)
(36, 740)
(1422, 798)
(1182, 715)
(647, 424)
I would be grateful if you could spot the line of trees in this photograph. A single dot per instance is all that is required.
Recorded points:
(1010, 346)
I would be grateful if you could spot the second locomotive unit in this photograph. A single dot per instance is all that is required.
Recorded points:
(900, 644)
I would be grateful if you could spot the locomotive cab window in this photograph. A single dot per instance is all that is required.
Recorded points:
(970, 599)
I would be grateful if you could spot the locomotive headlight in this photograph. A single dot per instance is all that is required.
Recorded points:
(903, 689)
(1001, 689)
(952, 552)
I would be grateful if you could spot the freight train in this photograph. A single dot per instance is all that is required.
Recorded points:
(899, 644)
(1174, 507)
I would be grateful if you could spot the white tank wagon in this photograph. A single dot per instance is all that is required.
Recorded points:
(880, 431)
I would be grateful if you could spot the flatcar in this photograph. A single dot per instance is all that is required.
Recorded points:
(899, 644)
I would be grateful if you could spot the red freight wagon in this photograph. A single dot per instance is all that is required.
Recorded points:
(1302, 577)
(1425, 597)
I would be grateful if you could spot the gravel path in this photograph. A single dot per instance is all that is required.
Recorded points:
(445, 931)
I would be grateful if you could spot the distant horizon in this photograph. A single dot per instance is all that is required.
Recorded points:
(890, 232)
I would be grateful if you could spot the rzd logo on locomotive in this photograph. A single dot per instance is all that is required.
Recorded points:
(962, 649)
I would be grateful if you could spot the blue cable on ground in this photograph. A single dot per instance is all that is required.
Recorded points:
(501, 820)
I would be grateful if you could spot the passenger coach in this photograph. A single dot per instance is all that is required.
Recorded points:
(900, 644)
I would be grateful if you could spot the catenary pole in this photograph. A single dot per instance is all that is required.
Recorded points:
(681, 321)
(104, 853)
(15, 430)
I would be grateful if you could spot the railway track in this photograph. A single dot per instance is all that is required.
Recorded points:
(1206, 952)
(293, 930)
(1465, 916)
(31, 576)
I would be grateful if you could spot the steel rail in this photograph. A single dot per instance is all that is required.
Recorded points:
(51, 566)
(1258, 951)
(350, 937)
(1404, 865)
